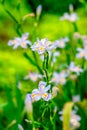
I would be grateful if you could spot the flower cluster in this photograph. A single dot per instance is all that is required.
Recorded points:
(59, 78)
(41, 46)
(33, 76)
(74, 119)
(61, 42)
(41, 92)
(82, 53)
(70, 17)
(20, 41)
(74, 69)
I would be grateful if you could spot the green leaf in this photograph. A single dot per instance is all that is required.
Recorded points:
(29, 59)
(2, 105)
(14, 19)
(33, 62)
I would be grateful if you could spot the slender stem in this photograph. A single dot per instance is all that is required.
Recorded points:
(38, 67)
(47, 58)
(75, 27)
(45, 65)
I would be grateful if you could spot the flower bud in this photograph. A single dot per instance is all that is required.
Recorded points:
(28, 106)
(38, 11)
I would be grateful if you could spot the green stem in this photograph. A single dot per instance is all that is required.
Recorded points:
(75, 27)
(45, 65)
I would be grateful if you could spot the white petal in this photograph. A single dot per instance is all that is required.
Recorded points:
(15, 46)
(61, 118)
(25, 36)
(60, 112)
(10, 42)
(36, 95)
(46, 96)
(42, 86)
(20, 127)
(28, 42)
(47, 88)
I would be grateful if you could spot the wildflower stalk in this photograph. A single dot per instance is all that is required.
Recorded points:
(75, 27)
(18, 24)
(83, 63)
(19, 31)
(33, 62)
(35, 58)
(45, 65)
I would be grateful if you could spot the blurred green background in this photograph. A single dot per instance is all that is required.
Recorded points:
(13, 66)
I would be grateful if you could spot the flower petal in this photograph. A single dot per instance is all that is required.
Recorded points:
(46, 96)
(36, 95)
(42, 86)
(47, 88)
(25, 36)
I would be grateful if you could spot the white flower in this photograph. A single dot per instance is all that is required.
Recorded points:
(70, 17)
(28, 103)
(74, 119)
(61, 42)
(59, 78)
(65, 16)
(55, 55)
(82, 53)
(20, 41)
(41, 46)
(76, 98)
(20, 127)
(41, 92)
(76, 35)
(75, 69)
(33, 76)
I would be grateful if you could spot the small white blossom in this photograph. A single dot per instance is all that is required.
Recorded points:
(41, 92)
(55, 55)
(75, 69)
(33, 76)
(61, 43)
(59, 78)
(28, 103)
(20, 41)
(20, 127)
(41, 46)
(76, 35)
(82, 53)
(70, 17)
(76, 98)
(74, 119)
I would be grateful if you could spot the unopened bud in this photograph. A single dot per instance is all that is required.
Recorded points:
(38, 10)
(28, 104)
(71, 8)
